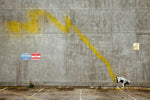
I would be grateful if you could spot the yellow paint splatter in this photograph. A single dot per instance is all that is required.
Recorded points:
(32, 23)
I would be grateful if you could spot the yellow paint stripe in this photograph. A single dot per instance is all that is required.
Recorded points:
(20, 94)
(32, 26)
(84, 39)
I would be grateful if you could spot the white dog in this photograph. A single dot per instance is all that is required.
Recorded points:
(122, 80)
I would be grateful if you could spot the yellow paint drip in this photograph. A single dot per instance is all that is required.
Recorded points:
(84, 39)
(32, 26)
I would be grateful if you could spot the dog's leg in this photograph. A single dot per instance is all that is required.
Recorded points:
(123, 84)
(117, 82)
(117, 85)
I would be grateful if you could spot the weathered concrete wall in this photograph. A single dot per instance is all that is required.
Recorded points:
(111, 26)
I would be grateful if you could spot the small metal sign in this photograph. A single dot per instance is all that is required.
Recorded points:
(35, 56)
(136, 46)
(26, 56)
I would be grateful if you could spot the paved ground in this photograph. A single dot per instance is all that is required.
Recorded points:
(47, 93)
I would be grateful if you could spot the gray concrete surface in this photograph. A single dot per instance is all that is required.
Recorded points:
(111, 26)
(73, 94)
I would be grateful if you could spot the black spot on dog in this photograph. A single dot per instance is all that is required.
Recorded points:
(124, 84)
(121, 81)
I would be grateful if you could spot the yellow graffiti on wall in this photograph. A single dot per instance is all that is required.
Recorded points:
(32, 23)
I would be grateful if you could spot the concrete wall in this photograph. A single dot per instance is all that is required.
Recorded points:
(111, 26)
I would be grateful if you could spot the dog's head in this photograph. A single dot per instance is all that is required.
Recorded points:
(128, 82)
